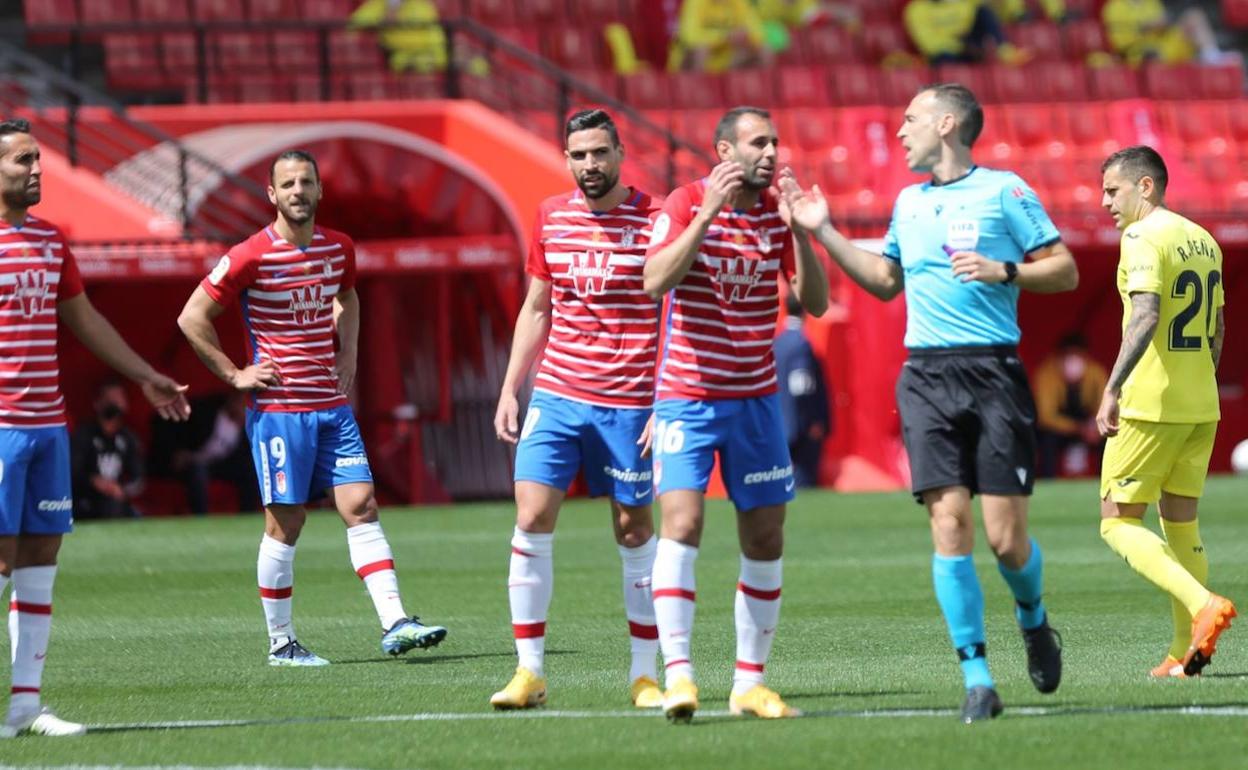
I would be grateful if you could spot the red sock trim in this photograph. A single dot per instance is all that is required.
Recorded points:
(529, 630)
(755, 667)
(679, 662)
(674, 593)
(642, 631)
(376, 566)
(525, 554)
(276, 593)
(30, 609)
(18, 690)
(758, 593)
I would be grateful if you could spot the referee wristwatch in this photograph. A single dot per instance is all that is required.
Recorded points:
(1011, 271)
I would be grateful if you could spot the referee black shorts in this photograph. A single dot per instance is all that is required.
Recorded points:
(968, 419)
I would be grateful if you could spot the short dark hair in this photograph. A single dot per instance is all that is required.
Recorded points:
(726, 128)
(1138, 162)
(584, 120)
(302, 155)
(961, 100)
(14, 126)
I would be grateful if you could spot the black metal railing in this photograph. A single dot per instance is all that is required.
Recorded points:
(95, 132)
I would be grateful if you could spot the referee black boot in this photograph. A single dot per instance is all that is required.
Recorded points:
(1044, 656)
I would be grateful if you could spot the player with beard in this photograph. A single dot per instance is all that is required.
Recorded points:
(296, 284)
(39, 285)
(588, 314)
(718, 252)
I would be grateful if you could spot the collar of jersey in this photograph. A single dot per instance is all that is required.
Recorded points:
(935, 183)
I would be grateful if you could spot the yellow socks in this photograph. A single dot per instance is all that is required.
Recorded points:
(1149, 555)
(1184, 540)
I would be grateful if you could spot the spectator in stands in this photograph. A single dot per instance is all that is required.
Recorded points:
(1015, 11)
(718, 35)
(217, 450)
(1140, 30)
(410, 32)
(782, 17)
(1068, 388)
(948, 31)
(106, 460)
(803, 396)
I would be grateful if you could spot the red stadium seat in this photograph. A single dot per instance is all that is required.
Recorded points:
(756, 87)
(825, 45)
(1031, 127)
(695, 90)
(350, 50)
(1172, 81)
(1237, 115)
(132, 60)
(855, 84)
(595, 13)
(901, 85)
(162, 10)
(51, 12)
(525, 37)
(804, 87)
(1202, 129)
(1110, 83)
(574, 47)
(972, 76)
(492, 13)
(179, 54)
(1042, 38)
(815, 131)
(1087, 129)
(273, 10)
(243, 52)
(879, 39)
(296, 50)
(603, 80)
(106, 11)
(1015, 84)
(327, 10)
(219, 10)
(1234, 13)
(541, 11)
(697, 126)
(647, 90)
(1051, 81)
(1082, 37)
(1225, 81)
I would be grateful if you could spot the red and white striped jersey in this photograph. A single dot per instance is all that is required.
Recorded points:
(37, 270)
(287, 295)
(720, 321)
(604, 328)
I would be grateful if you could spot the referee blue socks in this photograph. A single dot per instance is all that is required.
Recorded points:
(1027, 585)
(962, 602)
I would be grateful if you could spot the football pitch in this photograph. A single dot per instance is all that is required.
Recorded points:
(159, 645)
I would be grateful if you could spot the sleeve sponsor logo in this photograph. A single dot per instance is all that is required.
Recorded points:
(218, 272)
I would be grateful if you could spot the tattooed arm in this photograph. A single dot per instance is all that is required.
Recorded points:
(1145, 314)
(1219, 334)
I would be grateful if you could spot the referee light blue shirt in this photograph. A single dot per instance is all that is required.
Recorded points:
(992, 212)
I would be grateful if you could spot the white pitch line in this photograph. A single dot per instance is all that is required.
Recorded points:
(1230, 710)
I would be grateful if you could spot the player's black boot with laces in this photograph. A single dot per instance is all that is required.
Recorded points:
(982, 703)
(1044, 656)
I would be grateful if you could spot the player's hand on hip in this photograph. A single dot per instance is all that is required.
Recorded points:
(167, 396)
(1107, 414)
(257, 376)
(507, 419)
(723, 182)
(973, 266)
(646, 440)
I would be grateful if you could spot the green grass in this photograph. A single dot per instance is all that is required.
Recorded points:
(159, 621)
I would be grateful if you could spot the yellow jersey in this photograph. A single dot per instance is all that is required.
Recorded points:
(1175, 258)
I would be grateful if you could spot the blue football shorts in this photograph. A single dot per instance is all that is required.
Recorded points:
(36, 496)
(560, 436)
(299, 455)
(748, 434)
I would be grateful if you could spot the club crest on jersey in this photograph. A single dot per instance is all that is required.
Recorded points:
(590, 271)
(628, 236)
(30, 288)
(305, 303)
(328, 268)
(736, 277)
(764, 240)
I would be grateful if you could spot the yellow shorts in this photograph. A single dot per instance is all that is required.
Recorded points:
(1148, 458)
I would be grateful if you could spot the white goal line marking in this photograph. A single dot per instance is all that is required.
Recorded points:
(1228, 710)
